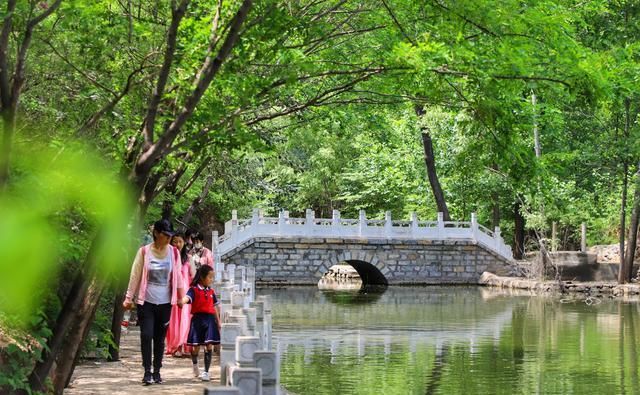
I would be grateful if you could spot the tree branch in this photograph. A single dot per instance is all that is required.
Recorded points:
(77, 69)
(177, 13)
(93, 120)
(397, 23)
(18, 76)
(198, 200)
(7, 22)
(164, 142)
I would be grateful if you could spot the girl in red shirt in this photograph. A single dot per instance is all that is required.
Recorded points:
(205, 322)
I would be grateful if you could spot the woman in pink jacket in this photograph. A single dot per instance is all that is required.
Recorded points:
(180, 316)
(199, 254)
(155, 285)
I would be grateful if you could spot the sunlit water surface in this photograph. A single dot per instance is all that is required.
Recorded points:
(452, 340)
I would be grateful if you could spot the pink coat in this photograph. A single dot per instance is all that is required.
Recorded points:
(180, 320)
(207, 257)
(139, 273)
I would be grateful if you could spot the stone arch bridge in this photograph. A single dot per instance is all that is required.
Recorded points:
(297, 251)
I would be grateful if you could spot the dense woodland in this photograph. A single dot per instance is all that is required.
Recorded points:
(117, 112)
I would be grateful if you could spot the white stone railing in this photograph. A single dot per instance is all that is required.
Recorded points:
(239, 231)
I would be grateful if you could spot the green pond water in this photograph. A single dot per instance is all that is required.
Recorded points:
(453, 340)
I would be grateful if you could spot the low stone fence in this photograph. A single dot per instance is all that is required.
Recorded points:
(588, 288)
(248, 366)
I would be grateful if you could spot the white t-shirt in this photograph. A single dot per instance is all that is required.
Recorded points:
(159, 279)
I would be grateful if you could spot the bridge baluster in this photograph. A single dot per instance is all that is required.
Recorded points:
(335, 217)
(414, 224)
(388, 224)
(362, 223)
(281, 222)
(474, 226)
(310, 218)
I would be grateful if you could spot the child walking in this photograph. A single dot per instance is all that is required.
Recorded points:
(205, 322)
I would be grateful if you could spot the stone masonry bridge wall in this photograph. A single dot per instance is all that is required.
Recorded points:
(298, 261)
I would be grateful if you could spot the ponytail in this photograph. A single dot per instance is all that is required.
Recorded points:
(201, 274)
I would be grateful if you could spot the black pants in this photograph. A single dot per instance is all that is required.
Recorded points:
(154, 321)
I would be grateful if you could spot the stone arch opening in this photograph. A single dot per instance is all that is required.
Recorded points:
(369, 274)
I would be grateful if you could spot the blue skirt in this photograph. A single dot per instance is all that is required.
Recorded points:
(204, 330)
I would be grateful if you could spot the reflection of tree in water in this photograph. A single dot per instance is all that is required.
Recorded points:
(365, 295)
(436, 373)
(461, 340)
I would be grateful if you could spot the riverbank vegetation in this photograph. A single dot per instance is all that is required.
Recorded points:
(524, 112)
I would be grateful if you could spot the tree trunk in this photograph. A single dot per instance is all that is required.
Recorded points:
(623, 205)
(8, 129)
(78, 332)
(626, 266)
(623, 214)
(38, 377)
(518, 232)
(116, 324)
(495, 217)
(430, 162)
(536, 132)
(198, 201)
(438, 194)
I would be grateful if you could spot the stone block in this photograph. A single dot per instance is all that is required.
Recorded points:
(245, 347)
(229, 333)
(266, 245)
(249, 380)
(251, 315)
(223, 390)
(227, 359)
(266, 301)
(225, 310)
(267, 362)
(237, 299)
(271, 389)
(312, 240)
(240, 320)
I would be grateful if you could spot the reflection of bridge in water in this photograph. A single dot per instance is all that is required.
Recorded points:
(300, 250)
(341, 342)
(356, 330)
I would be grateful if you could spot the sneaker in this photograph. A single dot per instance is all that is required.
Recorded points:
(196, 371)
(205, 376)
(148, 378)
(157, 379)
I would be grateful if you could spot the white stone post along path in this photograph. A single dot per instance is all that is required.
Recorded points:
(285, 250)
(248, 366)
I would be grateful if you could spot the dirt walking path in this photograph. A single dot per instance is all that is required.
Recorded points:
(125, 376)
